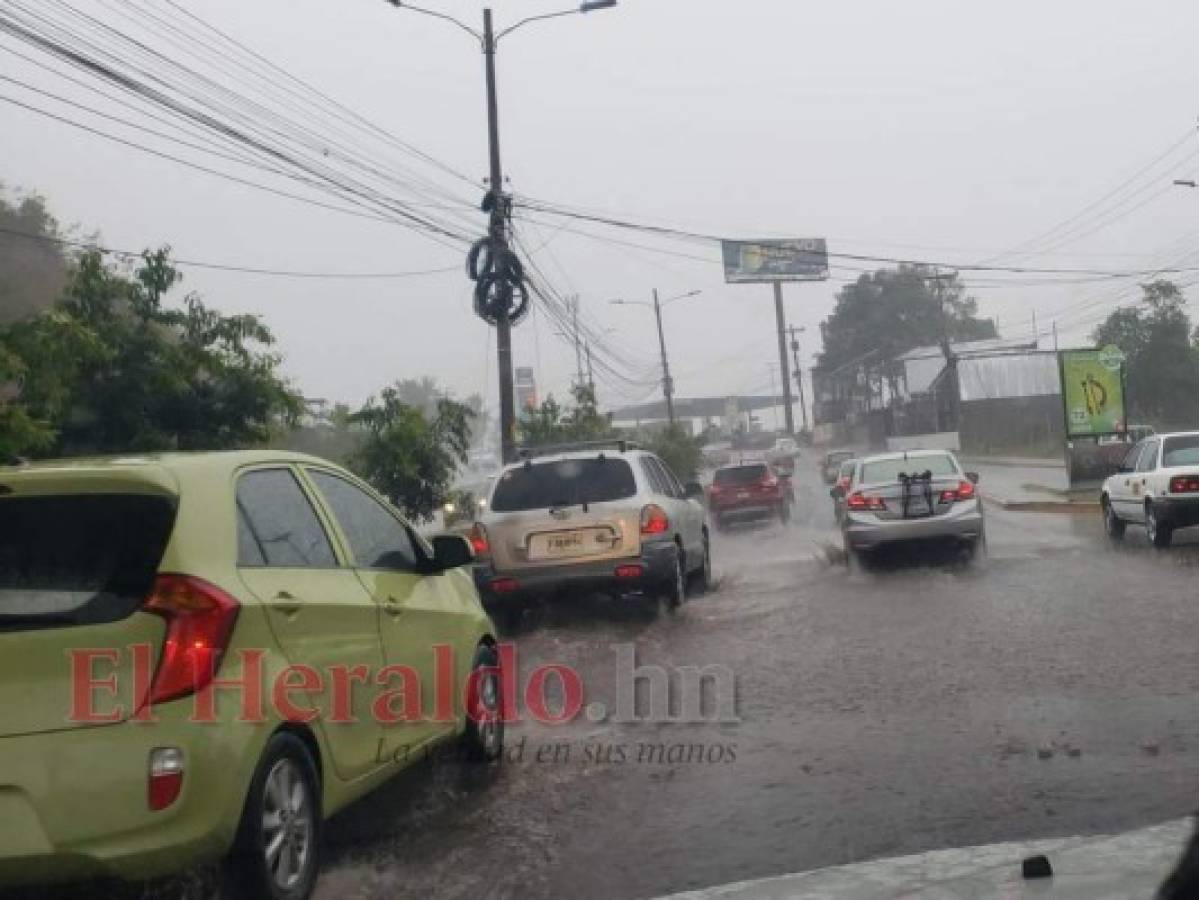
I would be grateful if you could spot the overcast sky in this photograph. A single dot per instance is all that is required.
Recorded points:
(938, 130)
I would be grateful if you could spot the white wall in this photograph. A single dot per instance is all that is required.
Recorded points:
(945, 440)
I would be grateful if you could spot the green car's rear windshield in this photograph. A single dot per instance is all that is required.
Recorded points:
(78, 559)
(566, 482)
(882, 471)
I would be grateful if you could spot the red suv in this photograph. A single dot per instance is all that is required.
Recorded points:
(749, 490)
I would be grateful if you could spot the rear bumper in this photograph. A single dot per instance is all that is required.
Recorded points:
(656, 564)
(73, 804)
(864, 531)
(750, 508)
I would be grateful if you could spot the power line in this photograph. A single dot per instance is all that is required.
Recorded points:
(226, 267)
(859, 257)
(89, 56)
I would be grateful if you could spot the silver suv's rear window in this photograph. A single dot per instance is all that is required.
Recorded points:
(566, 482)
(78, 559)
(886, 470)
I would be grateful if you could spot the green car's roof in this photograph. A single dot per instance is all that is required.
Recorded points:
(164, 470)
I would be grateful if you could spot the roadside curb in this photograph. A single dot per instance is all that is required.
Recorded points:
(1015, 462)
(1052, 506)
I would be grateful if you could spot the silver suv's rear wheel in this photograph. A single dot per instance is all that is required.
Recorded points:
(676, 588)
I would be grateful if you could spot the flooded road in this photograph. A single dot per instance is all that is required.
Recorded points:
(1051, 690)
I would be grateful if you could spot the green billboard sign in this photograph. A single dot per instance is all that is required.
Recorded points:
(1093, 391)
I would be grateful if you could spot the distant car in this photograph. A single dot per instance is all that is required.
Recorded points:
(1157, 486)
(915, 496)
(746, 491)
(840, 489)
(784, 446)
(604, 517)
(832, 463)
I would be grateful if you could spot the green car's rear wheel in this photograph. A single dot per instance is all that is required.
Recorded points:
(276, 853)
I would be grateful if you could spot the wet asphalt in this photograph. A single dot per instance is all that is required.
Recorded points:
(923, 703)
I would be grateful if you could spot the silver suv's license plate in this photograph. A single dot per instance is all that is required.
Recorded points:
(565, 544)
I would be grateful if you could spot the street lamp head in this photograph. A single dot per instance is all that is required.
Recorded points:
(1184, 182)
(592, 5)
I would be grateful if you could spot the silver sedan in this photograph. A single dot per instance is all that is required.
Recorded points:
(920, 495)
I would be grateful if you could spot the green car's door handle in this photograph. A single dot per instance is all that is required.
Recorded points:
(286, 604)
(394, 607)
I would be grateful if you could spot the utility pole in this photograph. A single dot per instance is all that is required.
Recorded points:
(667, 381)
(497, 230)
(803, 403)
(774, 393)
(951, 360)
(1055, 335)
(498, 206)
(784, 370)
(574, 309)
(590, 371)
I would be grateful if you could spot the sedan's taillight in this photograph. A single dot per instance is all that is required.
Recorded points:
(860, 501)
(199, 619)
(964, 491)
(654, 520)
(1184, 484)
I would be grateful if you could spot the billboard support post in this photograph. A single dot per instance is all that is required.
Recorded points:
(784, 364)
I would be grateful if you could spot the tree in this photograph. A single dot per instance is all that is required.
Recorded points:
(552, 423)
(112, 369)
(409, 457)
(679, 450)
(1162, 356)
(33, 266)
(888, 312)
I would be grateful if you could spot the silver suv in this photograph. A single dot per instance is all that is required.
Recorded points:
(604, 517)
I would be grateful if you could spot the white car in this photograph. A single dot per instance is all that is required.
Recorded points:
(1157, 486)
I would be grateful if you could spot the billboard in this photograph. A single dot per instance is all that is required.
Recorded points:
(747, 262)
(1093, 391)
(526, 389)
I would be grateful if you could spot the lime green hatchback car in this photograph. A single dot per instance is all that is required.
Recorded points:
(203, 656)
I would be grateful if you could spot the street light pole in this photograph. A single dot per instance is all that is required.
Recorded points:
(667, 382)
(499, 203)
(499, 236)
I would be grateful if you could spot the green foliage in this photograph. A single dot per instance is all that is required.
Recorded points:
(465, 508)
(111, 369)
(551, 423)
(679, 450)
(891, 311)
(424, 393)
(408, 456)
(1162, 368)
